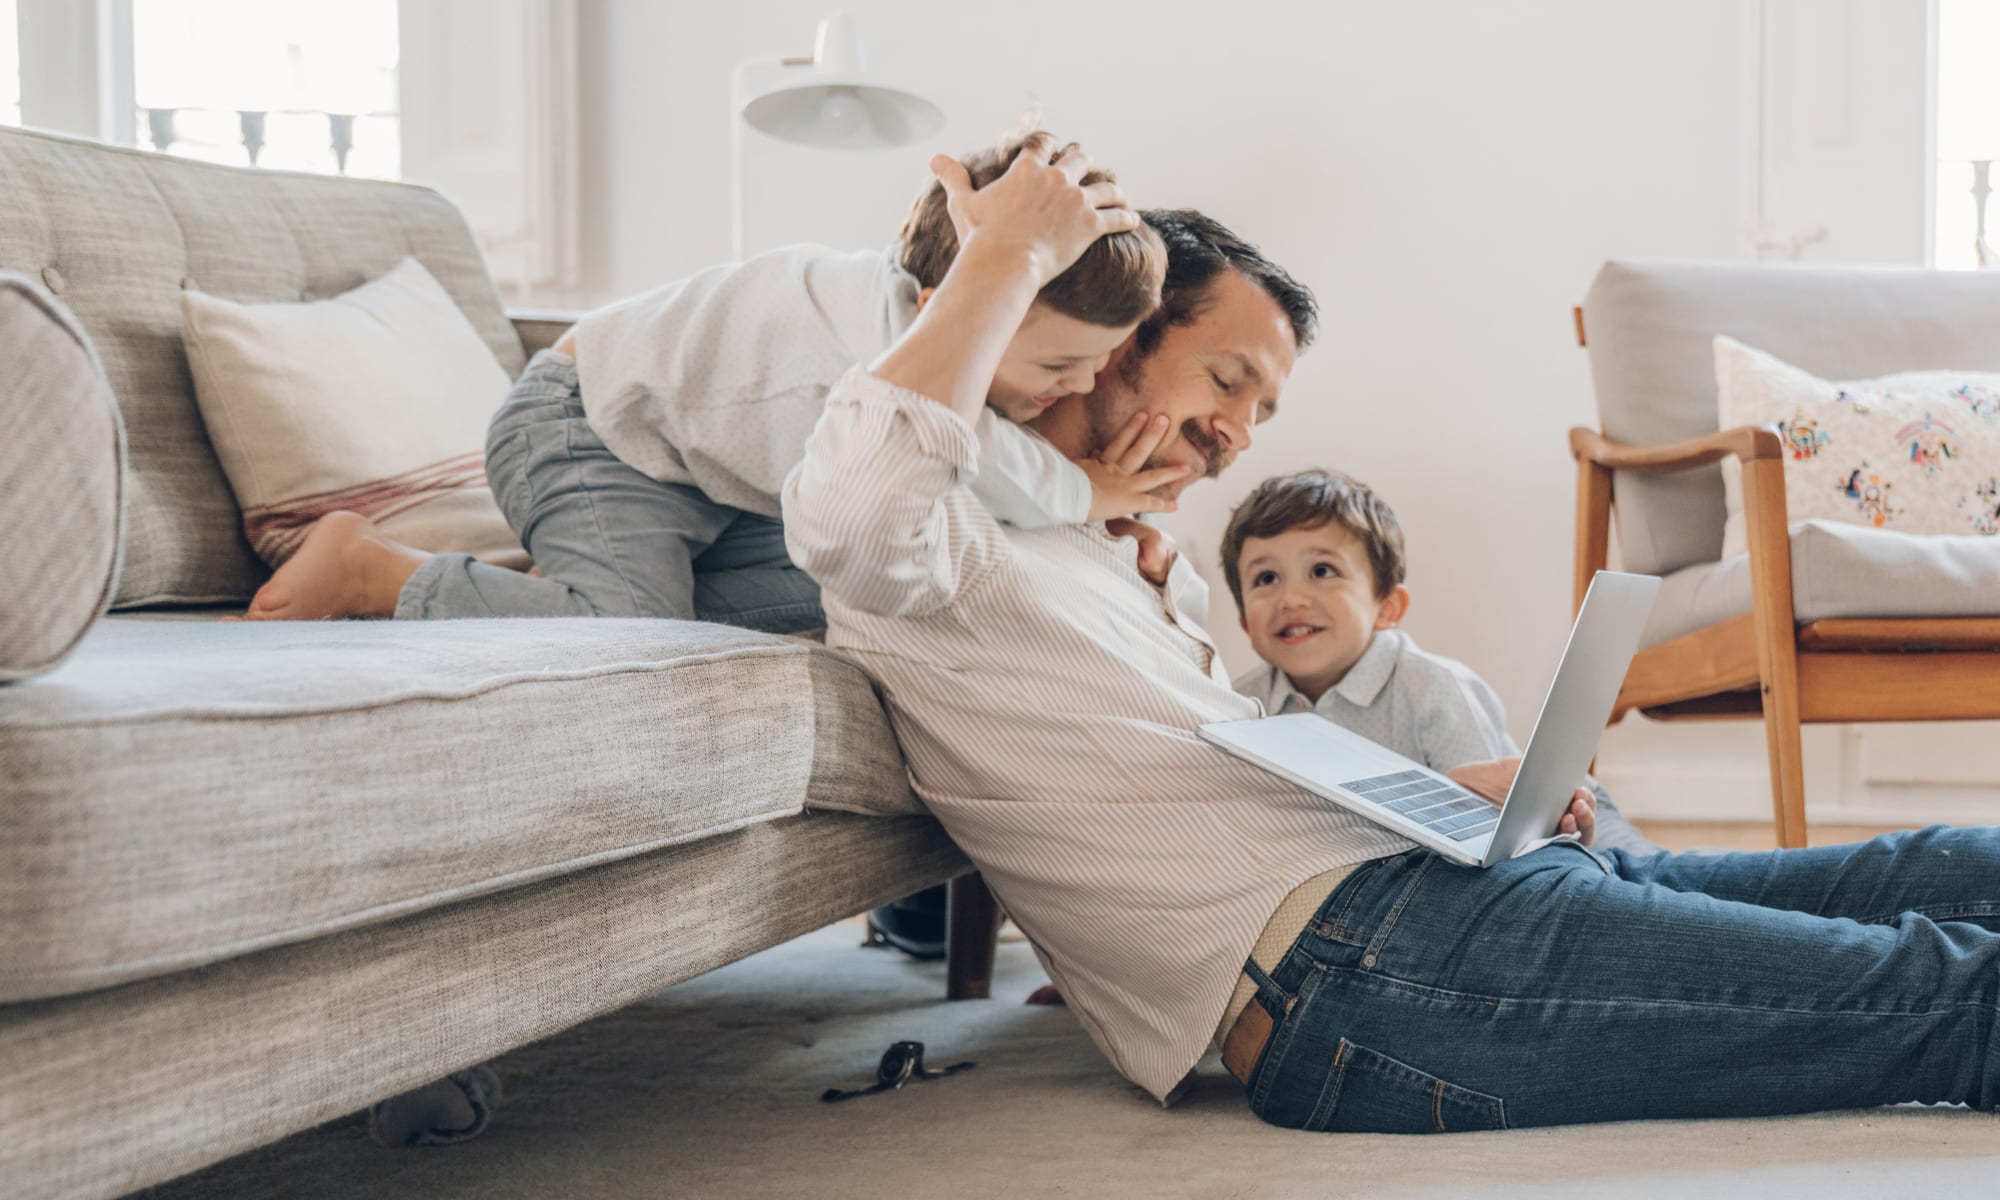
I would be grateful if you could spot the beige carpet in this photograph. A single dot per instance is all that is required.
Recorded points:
(711, 1089)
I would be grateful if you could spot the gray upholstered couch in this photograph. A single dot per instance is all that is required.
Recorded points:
(253, 877)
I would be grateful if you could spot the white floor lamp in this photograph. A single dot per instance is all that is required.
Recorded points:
(829, 101)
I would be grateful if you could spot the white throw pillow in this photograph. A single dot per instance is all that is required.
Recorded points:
(1914, 452)
(375, 401)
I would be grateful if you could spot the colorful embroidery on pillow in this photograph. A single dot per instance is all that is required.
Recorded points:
(1802, 434)
(1986, 514)
(1870, 494)
(1930, 443)
(1983, 401)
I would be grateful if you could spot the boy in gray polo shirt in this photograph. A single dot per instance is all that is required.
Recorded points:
(1315, 562)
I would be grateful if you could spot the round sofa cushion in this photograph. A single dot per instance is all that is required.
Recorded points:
(62, 467)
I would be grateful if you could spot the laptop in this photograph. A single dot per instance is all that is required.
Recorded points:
(1426, 806)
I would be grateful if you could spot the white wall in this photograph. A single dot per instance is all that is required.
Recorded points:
(1447, 175)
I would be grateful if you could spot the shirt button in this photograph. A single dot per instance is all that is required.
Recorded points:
(52, 279)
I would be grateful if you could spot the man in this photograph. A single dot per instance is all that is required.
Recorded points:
(1046, 696)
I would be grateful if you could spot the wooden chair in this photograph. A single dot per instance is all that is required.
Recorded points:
(1650, 330)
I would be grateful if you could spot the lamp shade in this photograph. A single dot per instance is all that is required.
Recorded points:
(835, 104)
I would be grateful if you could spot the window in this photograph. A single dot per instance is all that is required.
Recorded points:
(299, 85)
(10, 64)
(1968, 133)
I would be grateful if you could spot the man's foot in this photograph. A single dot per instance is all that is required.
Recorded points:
(344, 568)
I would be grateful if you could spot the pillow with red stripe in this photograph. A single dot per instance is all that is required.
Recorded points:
(375, 401)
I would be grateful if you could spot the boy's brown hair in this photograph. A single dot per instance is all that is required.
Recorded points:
(1309, 500)
(1116, 282)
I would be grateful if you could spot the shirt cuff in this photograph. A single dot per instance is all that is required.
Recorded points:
(939, 432)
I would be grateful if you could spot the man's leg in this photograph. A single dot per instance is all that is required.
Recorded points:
(1942, 872)
(1548, 990)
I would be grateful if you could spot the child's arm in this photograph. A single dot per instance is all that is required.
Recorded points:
(1028, 483)
(1023, 480)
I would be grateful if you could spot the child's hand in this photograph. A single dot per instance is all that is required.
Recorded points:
(1157, 551)
(1120, 484)
(1038, 209)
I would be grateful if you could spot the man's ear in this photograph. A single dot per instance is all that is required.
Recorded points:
(1395, 606)
(924, 297)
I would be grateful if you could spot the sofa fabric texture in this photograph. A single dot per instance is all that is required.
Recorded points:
(185, 791)
(1842, 570)
(162, 1077)
(116, 234)
(1651, 326)
(62, 471)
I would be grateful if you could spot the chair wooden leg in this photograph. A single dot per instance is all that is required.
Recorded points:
(974, 917)
(1788, 781)
(1777, 643)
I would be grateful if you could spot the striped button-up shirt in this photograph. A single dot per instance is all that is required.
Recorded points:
(1046, 697)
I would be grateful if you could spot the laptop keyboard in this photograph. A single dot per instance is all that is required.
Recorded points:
(1441, 807)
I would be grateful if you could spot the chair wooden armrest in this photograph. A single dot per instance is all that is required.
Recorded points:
(1597, 456)
(1746, 442)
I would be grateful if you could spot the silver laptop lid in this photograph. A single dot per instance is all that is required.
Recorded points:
(1578, 705)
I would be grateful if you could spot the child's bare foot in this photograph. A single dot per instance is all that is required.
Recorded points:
(344, 568)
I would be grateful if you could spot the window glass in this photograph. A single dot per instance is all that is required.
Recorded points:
(1968, 127)
(300, 85)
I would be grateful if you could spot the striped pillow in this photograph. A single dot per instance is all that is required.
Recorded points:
(375, 401)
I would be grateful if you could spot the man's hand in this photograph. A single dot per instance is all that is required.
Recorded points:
(1037, 210)
(1492, 779)
(1157, 551)
(1120, 484)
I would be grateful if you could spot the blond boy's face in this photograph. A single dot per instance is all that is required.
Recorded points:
(1050, 356)
(1309, 604)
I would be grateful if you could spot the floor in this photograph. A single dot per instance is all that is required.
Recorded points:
(711, 1089)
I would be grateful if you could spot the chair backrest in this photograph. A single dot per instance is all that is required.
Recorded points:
(117, 233)
(1650, 328)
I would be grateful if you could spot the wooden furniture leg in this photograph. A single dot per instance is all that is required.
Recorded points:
(1777, 644)
(974, 917)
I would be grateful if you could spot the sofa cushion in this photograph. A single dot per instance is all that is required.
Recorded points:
(1842, 570)
(184, 791)
(116, 234)
(62, 467)
(374, 401)
(1651, 327)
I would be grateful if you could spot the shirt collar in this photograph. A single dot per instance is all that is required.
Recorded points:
(1363, 682)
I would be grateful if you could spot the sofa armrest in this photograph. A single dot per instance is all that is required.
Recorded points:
(540, 330)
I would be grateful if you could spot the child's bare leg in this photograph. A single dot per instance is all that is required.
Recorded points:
(344, 568)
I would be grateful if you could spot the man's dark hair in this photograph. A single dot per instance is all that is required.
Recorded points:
(1200, 248)
(1309, 500)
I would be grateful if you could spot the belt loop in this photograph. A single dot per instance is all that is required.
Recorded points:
(1269, 994)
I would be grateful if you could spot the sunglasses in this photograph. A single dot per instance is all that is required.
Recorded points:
(900, 1063)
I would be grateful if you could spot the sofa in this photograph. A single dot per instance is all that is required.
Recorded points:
(257, 876)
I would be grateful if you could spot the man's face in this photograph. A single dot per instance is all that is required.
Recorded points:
(1215, 378)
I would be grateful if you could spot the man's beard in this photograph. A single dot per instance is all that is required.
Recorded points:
(1109, 414)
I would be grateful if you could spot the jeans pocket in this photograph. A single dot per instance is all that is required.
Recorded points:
(1367, 1092)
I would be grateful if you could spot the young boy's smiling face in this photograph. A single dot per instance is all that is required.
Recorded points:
(1310, 604)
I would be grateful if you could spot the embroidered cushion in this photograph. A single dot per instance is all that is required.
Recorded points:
(1913, 452)
(375, 401)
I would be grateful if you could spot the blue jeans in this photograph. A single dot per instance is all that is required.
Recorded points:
(1569, 986)
(607, 540)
